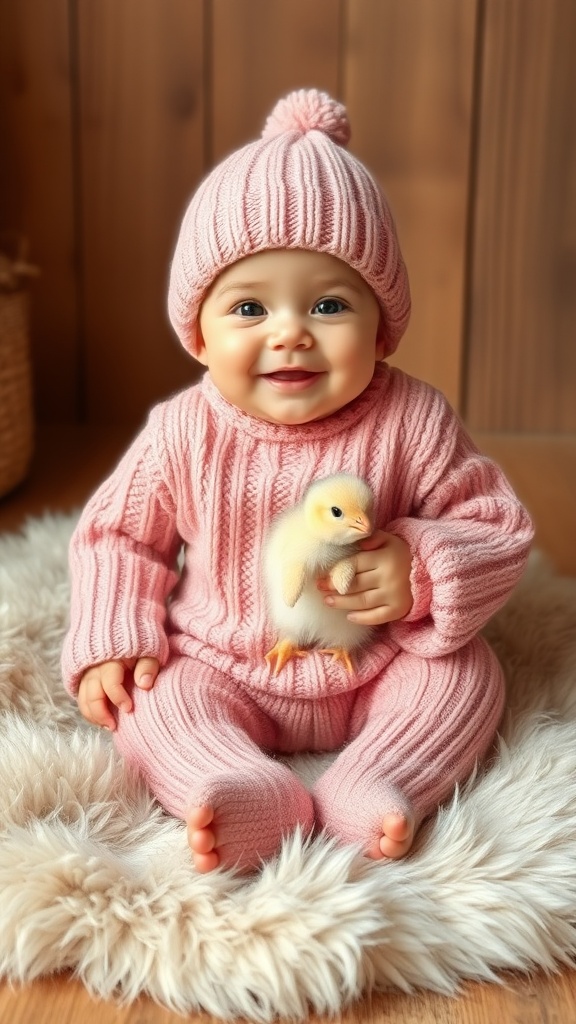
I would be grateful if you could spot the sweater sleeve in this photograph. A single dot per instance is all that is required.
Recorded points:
(123, 564)
(468, 534)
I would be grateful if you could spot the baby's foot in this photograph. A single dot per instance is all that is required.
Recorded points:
(202, 839)
(238, 819)
(396, 839)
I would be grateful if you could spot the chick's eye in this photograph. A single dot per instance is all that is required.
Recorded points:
(328, 307)
(249, 309)
(336, 512)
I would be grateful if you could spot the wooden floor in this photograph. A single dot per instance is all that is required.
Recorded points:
(64, 1000)
(68, 465)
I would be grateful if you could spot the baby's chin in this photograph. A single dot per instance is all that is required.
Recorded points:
(293, 419)
(293, 413)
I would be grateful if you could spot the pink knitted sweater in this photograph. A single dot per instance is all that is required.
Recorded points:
(205, 474)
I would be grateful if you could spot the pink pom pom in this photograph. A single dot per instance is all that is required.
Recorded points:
(309, 110)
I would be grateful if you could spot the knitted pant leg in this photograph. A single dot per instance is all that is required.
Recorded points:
(197, 741)
(417, 731)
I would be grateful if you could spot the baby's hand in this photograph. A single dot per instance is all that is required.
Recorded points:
(103, 685)
(380, 591)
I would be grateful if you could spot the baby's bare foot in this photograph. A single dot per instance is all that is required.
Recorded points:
(396, 839)
(202, 839)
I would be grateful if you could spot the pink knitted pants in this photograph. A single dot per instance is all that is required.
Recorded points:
(407, 739)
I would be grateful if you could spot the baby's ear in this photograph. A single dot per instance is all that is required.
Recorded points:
(380, 341)
(200, 352)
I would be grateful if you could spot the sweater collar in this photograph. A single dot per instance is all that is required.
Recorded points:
(313, 431)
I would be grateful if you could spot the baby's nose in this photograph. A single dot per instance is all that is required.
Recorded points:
(290, 332)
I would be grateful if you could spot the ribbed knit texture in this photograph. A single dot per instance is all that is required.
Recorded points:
(295, 188)
(415, 732)
(427, 696)
(201, 745)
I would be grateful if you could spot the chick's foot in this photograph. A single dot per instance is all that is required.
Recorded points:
(281, 654)
(339, 654)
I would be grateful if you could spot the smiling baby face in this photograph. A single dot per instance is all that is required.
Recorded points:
(289, 335)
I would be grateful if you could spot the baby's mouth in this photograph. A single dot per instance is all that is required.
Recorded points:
(290, 375)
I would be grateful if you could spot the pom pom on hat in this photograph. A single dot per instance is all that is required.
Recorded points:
(309, 110)
(296, 187)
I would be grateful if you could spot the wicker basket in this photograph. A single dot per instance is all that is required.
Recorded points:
(16, 418)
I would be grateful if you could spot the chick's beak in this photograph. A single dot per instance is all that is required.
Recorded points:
(363, 524)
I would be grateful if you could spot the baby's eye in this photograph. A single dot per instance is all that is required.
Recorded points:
(336, 512)
(249, 309)
(328, 307)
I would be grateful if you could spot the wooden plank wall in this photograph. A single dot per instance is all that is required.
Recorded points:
(409, 75)
(521, 345)
(141, 152)
(37, 191)
(112, 110)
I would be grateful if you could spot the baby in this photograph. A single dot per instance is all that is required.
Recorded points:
(288, 284)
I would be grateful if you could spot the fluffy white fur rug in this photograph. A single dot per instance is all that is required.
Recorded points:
(94, 877)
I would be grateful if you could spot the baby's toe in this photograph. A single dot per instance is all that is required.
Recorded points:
(396, 839)
(199, 817)
(393, 850)
(398, 833)
(204, 862)
(397, 827)
(202, 839)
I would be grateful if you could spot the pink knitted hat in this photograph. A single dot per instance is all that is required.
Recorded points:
(295, 188)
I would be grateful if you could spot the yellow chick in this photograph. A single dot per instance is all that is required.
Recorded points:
(316, 538)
